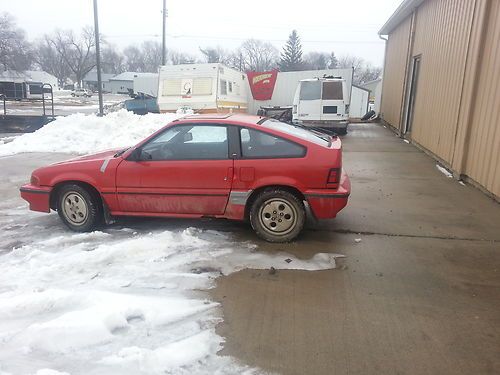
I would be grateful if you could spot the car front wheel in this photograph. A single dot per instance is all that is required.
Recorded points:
(78, 208)
(277, 215)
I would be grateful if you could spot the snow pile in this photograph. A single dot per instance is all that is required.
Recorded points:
(83, 134)
(444, 171)
(123, 302)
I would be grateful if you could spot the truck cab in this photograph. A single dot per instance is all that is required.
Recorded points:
(323, 103)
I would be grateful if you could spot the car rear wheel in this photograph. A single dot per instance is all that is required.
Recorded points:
(277, 215)
(78, 208)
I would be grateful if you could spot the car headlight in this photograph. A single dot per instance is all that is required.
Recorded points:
(34, 180)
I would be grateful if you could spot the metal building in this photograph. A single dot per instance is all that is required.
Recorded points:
(441, 86)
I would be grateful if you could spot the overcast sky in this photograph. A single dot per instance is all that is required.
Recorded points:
(345, 27)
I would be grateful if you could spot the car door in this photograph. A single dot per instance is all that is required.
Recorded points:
(309, 100)
(332, 101)
(184, 170)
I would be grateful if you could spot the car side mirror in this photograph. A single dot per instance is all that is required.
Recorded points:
(188, 137)
(138, 155)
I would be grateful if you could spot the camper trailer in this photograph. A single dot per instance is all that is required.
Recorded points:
(204, 88)
(323, 103)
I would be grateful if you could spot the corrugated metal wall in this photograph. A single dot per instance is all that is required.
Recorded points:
(457, 106)
(483, 152)
(442, 32)
(394, 73)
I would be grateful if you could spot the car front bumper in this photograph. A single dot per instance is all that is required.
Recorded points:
(37, 196)
(326, 203)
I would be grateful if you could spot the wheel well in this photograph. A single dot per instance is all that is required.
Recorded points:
(55, 191)
(257, 191)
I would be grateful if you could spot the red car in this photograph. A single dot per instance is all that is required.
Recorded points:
(224, 166)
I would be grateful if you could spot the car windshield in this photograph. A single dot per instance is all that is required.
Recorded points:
(310, 135)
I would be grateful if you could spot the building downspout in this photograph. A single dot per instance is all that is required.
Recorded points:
(383, 73)
(406, 93)
(465, 118)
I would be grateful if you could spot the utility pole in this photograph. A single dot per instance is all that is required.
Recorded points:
(164, 36)
(98, 59)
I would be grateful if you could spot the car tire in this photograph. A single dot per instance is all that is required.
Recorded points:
(277, 215)
(78, 208)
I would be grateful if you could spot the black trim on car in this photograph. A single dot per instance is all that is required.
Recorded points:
(326, 195)
(25, 190)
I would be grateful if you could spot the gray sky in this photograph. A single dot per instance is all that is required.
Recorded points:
(345, 27)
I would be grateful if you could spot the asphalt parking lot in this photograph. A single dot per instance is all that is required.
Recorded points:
(418, 291)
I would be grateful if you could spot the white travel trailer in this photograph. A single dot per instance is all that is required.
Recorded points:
(204, 88)
(322, 102)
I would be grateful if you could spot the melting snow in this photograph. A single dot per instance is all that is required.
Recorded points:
(444, 171)
(123, 302)
(83, 134)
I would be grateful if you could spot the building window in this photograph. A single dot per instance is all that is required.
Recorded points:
(223, 87)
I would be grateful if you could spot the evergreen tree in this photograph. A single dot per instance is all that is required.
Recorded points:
(291, 57)
(333, 63)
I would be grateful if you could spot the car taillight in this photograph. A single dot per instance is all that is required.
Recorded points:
(34, 181)
(333, 178)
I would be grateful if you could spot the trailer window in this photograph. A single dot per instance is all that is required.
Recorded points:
(223, 87)
(310, 90)
(332, 90)
(202, 86)
(171, 87)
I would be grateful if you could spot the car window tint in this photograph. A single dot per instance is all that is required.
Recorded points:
(310, 90)
(189, 142)
(256, 144)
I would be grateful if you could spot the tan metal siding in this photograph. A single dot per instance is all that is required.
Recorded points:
(483, 157)
(394, 73)
(442, 32)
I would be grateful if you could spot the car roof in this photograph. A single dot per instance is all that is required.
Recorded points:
(233, 117)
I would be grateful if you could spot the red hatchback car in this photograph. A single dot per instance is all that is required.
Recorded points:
(224, 166)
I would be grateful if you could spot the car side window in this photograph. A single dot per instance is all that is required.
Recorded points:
(260, 145)
(188, 142)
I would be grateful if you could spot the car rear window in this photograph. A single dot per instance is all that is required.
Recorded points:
(299, 132)
(332, 90)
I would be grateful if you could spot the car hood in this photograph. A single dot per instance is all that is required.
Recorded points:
(92, 157)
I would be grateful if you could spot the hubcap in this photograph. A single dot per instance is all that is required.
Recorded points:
(278, 216)
(75, 208)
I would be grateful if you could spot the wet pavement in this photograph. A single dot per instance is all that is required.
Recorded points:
(418, 291)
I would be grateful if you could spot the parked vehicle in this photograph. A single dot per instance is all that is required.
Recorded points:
(81, 92)
(223, 166)
(206, 88)
(321, 102)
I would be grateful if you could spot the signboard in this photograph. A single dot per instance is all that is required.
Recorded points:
(186, 87)
(262, 84)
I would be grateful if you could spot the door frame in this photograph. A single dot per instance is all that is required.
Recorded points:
(409, 110)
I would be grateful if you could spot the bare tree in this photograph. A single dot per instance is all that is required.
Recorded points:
(216, 55)
(133, 57)
(316, 60)
(363, 70)
(151, 54)
(113, 60)
(258, 55)
(48, 59)
(176, 58)
(15, 51)
(77, 52)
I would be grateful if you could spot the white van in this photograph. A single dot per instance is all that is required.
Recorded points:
(323, 103)
(203, 88)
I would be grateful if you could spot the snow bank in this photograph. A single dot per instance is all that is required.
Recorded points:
(444, 171)
(123, 302)
(83, 134)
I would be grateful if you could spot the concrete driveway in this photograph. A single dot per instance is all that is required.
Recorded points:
(420, 294)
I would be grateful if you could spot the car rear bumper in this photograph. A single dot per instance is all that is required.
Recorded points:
(37, 196)
(326, 203)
